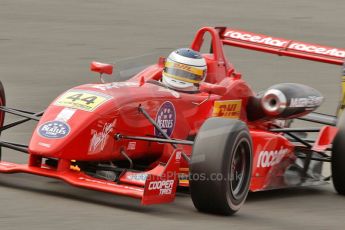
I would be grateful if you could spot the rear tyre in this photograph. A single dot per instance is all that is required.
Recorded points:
(2, 113)
(221, 166)
(338, 157)
(2, 103)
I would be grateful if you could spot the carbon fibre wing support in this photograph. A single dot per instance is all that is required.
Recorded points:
(320, 118)
(281, 46)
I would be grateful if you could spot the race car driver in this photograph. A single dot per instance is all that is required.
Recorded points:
(184, 69)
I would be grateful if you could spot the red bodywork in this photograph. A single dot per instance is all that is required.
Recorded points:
(95, 113)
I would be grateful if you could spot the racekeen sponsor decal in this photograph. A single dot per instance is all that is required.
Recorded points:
(166, 119)
(283, 43)
(54, 130)
(227, 109)
(311, 101)
(256, 38)
(270, 158)
(164, 186)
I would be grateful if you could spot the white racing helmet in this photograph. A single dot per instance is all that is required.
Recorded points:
(183, 68)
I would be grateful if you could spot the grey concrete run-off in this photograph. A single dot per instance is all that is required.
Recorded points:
(46, 47)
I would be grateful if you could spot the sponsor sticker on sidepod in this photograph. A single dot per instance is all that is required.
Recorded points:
(270, 158)
(166, 118)
(54, 130)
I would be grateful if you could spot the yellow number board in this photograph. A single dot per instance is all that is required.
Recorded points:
(82, 99)
(227, 109)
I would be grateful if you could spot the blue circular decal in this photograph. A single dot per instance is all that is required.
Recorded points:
(166, 118)
(54, 129)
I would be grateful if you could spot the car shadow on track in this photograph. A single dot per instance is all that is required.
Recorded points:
(181, 207)
(286, 193)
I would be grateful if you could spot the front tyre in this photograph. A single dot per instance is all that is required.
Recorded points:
(338, 157)
(221, 166)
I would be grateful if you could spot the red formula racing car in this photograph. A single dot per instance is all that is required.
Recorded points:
(142, 139)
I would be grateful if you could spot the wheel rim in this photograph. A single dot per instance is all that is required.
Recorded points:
(239, 170)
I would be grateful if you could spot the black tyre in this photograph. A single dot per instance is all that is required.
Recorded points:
(2, 103)
(221, 166)
(2, 113)
(338, 158)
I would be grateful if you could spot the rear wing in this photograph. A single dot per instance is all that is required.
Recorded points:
(285, 47)
(281, 46)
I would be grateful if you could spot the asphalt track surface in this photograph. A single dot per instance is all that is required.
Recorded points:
(46, 47)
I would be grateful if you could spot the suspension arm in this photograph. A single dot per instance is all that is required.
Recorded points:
(19, 113)
(154, 139)
(153, 122)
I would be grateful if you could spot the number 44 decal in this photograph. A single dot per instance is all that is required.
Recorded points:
(82, 99)
(79, 96)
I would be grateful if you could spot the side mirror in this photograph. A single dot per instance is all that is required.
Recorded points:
(212, 88)
(101, 68)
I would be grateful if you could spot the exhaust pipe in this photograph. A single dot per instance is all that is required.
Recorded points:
(274, 102)
(284, 101)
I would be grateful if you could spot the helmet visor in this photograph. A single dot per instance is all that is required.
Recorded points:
(184, 72)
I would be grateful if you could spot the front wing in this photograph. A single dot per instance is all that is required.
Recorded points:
(155, 186)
